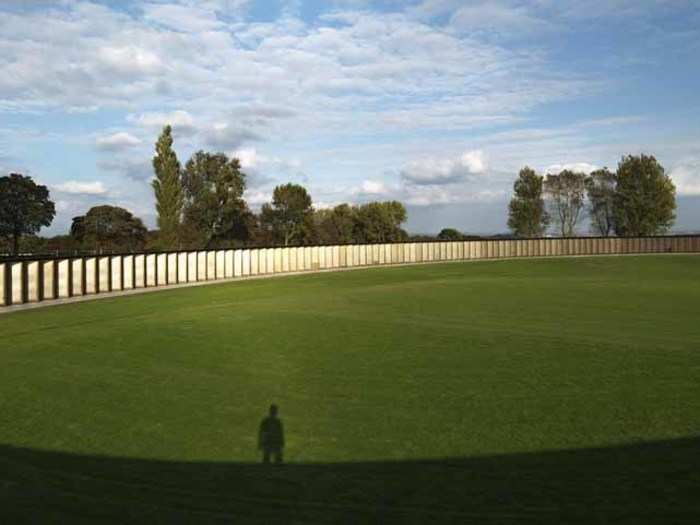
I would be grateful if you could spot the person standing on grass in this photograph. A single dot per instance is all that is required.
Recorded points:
(271, 437)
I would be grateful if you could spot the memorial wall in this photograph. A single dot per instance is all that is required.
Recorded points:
(44, 279)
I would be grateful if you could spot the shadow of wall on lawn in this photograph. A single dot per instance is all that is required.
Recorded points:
(651, 482)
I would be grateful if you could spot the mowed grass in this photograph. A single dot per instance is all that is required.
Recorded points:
(551, 390)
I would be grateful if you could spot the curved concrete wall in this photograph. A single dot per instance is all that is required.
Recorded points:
(26, 281)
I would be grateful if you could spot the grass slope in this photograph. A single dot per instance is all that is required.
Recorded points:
(541, 390)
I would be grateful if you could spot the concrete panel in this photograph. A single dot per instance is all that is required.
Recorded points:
(300, 258)
(128, 269)
(63, 274)
(245, 263)
(310, 255)
(182, 267)
(47, 288)
(90, 275)
(172, 268)
(201, 266)
(17, 286)
(211, 265)
(381, 250)
(116, 263)
(33, 284)
(285, 260)
(220, 264)
(139, 271)
(76, 277)
(335, 256)
(228, 264)
(277, 260)
(263, 259)
(373, 254)
(238, 263)
(3, 288)
(191, 267)
(151, 270)
(270, 256)
(254, 262)
(293, 259)
(162, 269)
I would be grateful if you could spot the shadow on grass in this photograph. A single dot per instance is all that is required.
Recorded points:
(654, 482)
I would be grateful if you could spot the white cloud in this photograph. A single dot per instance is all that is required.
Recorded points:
(179, 119)
(74, 187)
(371, 188)
(580, 167)
(439, 171)
(117, 141)
(226, 137)
(686, 176)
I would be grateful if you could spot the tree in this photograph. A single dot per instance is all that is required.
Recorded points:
(167, 189)
(24, 208)
(600, 188)
(567, 193)
(527, 216)
(449, 234)
(335, 226)
(109, 228)
(289, 215)
(380, 222)
(645, 197)
(214, 207)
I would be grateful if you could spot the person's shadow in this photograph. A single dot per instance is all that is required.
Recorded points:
(271, 437)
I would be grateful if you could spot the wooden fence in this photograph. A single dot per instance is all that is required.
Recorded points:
(27, 280)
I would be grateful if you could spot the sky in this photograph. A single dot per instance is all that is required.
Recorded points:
(436, 103)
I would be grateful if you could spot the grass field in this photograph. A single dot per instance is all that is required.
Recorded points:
(543, 391)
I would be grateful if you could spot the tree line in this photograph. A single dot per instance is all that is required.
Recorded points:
(201, 205)
(639, 199)
(198, 205)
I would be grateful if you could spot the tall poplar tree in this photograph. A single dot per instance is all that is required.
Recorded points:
(527, 216)
(167, 189)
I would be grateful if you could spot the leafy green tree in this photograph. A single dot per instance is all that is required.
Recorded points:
(214, 207)
(109, 228)
(645, 197)
(380, 222)
(600, 188)
(24, 208)
(527, 216)
(449, 234)
(336, 225)
(289, 217)
(167, 189)
(567, 193)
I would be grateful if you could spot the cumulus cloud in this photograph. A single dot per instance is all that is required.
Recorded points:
(74, 187)
(135, 168)
(436, 171)
(686, 176)
(371, 188)
(225, 137)
(579, 167)
(117, 141)
(180, 120)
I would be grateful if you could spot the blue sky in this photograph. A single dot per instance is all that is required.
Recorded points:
(437, 103)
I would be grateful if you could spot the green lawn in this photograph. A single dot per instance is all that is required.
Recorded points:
(548, 391)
